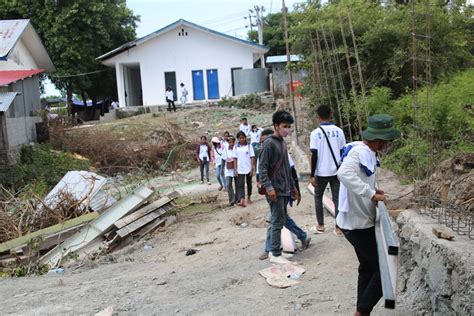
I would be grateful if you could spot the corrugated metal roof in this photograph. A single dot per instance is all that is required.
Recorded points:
(171, 26)
(10, 33)
(282, 59)
(10, 76)
(6, 98)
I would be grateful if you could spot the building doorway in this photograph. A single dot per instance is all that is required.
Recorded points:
(170, 81)
(233, 80)
(133, 85)
(198, 85)
(212, 84)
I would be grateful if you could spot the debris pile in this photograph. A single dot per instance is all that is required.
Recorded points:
(91, 224)
(451, 184)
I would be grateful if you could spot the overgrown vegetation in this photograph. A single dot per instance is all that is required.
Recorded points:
(431, 130)
(429, 135)
(40, 168)
(250, 101)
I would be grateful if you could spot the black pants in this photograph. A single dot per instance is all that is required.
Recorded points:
(171, 103)
(204, 168)
(241, 179)
(369, 285)
(319, 192)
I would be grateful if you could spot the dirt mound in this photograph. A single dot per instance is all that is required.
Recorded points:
(452, 183)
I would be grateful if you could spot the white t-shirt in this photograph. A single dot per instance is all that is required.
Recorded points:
(243, 154)
(228, 155)
(203, 152)
(255, 136)
(218, 152)
(326, 166)
(246, 129)
(169, 95)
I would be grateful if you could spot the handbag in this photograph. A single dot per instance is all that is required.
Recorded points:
(330, 148)
(263, 190)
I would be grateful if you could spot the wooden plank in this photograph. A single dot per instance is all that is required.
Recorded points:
(150, 227)
(97, 227)
(20, 241)
(49, 242)
(127, 230)
(141, 212)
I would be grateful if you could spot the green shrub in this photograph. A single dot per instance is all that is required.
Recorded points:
(41, 168)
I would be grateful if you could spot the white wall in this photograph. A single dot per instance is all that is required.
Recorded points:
(19, 59)
(182, 54)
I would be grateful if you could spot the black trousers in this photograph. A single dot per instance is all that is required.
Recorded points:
(241, 180)
(319, 192)
(171, 103)
(369, 285)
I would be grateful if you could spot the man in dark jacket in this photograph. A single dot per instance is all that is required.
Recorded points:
(275, 175)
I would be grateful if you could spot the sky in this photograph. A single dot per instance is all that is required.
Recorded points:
(226, 16)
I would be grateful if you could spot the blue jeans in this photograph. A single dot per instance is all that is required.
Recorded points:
(220, 176)
(291, 226)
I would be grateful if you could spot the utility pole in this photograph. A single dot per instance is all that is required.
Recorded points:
(259, 13)
(251, 25)
(288, 66)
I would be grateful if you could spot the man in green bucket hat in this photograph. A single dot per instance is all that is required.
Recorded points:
(357, 205)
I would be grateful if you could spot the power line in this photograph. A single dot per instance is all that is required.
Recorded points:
(80, 74)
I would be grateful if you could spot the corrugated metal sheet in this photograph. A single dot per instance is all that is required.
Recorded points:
(80, 184)
(6, 98)
(10, 33)
(10, 76)
(282, 59)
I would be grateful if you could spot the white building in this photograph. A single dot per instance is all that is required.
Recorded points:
(182, 52)
(22, 59)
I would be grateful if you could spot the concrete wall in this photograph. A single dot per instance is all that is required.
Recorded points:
(21, 117)
(436, 275)
(21, 130)
(182, 54)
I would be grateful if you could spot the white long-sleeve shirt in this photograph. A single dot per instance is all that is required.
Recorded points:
(357, 177)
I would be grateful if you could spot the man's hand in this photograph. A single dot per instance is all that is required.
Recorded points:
(251, 172)
(235, 173)
(379, 191)
(298, 200)
(378, 197)
(296, 196)
(272, 195)
(313, 181)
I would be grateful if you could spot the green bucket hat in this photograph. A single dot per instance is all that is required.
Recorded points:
(380, 127)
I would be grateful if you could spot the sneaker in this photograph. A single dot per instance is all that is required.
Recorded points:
(305, 243)
(263, 256)
(278, 260)
(286, 255)
(202, 182)
(208, 182)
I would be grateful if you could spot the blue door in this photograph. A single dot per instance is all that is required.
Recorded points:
(212, 84)
(198, 85)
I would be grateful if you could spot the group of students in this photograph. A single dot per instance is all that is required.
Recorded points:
(234, 159)
(349, 169)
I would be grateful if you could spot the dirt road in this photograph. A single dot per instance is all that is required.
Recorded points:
(221, 278)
